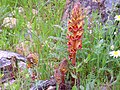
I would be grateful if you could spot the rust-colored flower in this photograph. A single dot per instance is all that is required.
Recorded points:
(32, 60)
(57, 75)
(63, 66)
(60, 72)
(75, 32)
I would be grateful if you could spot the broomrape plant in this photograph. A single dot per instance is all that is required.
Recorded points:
(75, 32)
(74, 36)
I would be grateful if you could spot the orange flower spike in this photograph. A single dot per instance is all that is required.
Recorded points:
(75, 32)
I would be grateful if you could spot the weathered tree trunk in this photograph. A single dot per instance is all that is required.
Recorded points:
(67, 9)
(90, 5)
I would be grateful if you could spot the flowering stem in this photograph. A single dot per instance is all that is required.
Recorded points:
(75, 31)
(74, 59)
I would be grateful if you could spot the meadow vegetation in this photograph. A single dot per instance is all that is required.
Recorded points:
(37, 28)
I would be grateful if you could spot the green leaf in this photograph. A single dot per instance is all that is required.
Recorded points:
(73, 75)
(81, 87)
(87, 86)
(1, 75)
(79, 65)
(74, 88)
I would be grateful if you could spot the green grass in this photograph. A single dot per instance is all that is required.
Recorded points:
(46, 38)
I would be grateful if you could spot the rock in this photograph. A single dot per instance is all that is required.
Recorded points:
(45, 85)
(7, 70)
(51, 88)
(9, 65)
(9, 54)
(4, 62)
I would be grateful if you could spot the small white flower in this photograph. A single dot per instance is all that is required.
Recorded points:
(9, 22)
(112, 47)
(85, 61)
(0, 30)
(115, 33)
(90, 31)
(115, 54)
(117, 17)
(34, 11)
(20, 10)
(12, 13)
(29, 26)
